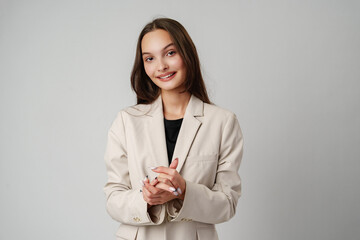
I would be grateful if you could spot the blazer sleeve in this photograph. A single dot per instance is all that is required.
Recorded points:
(124, 204)
(218, 204)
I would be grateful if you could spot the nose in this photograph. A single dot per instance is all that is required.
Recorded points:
(163, 66)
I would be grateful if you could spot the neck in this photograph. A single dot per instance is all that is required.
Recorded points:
(174, 104)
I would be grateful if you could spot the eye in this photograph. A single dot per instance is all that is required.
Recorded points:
(170, 53)
(148, 59)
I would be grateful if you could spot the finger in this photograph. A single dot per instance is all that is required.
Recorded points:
(151, 188)
(174, 163)
(172, 179)
(168, 188)
(146, 193)
(165, 197)
(146, 179)
(154, 182)
(166, 170)
(150, 200)
(149, 194)
(166, 181)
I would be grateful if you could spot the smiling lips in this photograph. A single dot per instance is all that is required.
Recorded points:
(166, 76)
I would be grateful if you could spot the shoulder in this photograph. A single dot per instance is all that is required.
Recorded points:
(215, 111)
(225, 119)
(137, 110)
(129, 115)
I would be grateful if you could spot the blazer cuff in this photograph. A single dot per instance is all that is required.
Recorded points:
(174, 207)
(180, 210)
(154, 213)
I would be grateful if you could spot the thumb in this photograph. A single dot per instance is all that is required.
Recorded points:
(174, 163)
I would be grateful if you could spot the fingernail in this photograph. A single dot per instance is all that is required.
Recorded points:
(172, 189)
(156, 178)
(176, 159)
(142, 183)
(153, 168)
(176, 193)
(140, 190)
(179, 190)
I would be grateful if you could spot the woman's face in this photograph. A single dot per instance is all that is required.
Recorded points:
(162, 62)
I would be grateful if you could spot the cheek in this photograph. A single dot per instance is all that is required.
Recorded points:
(148, 69)
(178, 63)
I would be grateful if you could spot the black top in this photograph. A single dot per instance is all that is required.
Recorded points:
(172, 128)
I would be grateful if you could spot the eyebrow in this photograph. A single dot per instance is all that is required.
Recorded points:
(170, 44)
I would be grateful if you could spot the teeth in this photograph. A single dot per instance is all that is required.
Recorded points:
(167, 75)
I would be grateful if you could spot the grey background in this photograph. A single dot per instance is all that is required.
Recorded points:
(288, 69)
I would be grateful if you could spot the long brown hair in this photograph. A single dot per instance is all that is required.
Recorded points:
(146, 91)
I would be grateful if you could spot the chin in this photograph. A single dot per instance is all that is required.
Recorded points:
(171, 88)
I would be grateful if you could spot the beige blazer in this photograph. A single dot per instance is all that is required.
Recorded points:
(209, 148)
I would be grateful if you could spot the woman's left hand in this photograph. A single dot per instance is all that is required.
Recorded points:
(168, 177)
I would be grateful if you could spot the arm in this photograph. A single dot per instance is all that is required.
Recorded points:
(218, 204)
(124, 204)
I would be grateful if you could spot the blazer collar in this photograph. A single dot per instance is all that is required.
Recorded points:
(195, 107)
(188, 131)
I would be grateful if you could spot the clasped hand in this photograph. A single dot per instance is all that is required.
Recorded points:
(167, 186)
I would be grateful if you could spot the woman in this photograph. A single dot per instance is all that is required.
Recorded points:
(172, 160)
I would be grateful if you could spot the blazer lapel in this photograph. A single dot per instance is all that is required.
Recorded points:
(157, 133)
(188, 130)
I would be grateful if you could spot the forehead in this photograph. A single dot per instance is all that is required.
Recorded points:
(155, 41)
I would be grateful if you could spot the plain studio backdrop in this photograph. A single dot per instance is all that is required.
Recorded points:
(290, 70)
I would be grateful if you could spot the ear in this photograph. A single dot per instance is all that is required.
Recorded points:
(174, 163)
